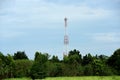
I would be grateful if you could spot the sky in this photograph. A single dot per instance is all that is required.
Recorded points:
(38, 25)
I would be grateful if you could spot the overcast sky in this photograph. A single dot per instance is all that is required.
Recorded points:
(38, 25)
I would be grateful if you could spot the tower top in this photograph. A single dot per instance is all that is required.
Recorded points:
(65, 19)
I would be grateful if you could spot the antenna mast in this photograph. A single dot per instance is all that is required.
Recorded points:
(66, 40)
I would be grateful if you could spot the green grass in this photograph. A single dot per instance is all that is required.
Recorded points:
(74, 78)
(18, 79)
(86, 78)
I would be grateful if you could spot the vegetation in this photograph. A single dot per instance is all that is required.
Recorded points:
(18, 79)
(18, 65)
(86, 78)
(74, 78)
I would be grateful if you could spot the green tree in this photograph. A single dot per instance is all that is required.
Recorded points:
(74, 57)
(114, 61)
(2, 65)
(38, 70)
(87, 59)
(103, 58)
(88, 70)
(10, 65)
(22, 68)
(73, 63)
(97, 67)
(6, 66)
(100, 68)
(54, 59)
(20, 55)
(54, 69)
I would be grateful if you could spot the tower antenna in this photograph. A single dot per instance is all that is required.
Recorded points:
(66, 40)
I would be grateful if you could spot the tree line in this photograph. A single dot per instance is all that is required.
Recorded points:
(43, 65)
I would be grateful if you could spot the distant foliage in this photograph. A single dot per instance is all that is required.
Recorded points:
(22, 68)
(6, 66)
(114, 61)
(20, 55)
(43, 66)
(38, 70)
(87, 59)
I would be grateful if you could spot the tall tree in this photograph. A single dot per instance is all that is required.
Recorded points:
(10, 65)
(87, 59)
(20, 55)
(73, 63)
(54, 59)
(114, 60)
(2, 65)
(38, 70)
(22, 67)
(100, 68)
(54, 69)
(6, 66)
(75, 56)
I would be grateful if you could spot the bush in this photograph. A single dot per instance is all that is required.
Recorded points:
(22, 68)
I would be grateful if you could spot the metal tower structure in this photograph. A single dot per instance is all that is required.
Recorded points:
(66, 39)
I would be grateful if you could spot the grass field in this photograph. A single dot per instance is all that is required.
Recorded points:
(74, 78)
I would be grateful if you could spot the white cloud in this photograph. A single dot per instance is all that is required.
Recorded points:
(34, 13)
(106, 37)
(10, 34)
(43, 12)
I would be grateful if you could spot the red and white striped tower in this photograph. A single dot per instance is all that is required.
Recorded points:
(66, 40)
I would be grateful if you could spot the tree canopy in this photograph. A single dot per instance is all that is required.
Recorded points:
(43, 66)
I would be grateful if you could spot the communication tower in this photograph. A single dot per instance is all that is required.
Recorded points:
(66, 38)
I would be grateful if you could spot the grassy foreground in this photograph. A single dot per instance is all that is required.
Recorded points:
(74, 78)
